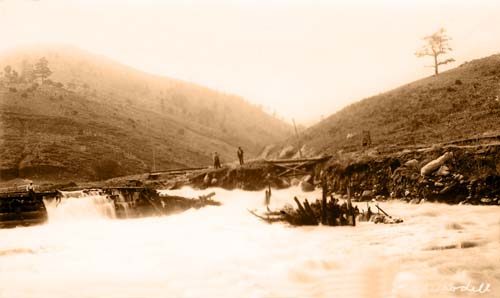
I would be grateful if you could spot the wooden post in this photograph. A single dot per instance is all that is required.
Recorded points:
(323, 201)
(298, 140)
(349, 203)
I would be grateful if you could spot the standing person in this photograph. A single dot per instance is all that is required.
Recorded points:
(216, 160)
(268, 196)
(31, 190)
(240, 155)
(267, 200)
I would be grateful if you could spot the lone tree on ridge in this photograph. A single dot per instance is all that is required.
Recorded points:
(436, 45)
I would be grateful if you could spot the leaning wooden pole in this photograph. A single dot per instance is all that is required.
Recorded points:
(301, 209)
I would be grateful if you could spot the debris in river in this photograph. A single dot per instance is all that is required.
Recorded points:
(330, 213)
(141, 202)
(28, 208)
(23, 208)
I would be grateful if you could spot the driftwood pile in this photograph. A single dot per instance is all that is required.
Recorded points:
(327, 212)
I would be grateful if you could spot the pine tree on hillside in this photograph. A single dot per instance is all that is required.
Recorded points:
(42, 69)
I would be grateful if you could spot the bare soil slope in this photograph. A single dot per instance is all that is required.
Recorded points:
(95, 119)
(460, 103)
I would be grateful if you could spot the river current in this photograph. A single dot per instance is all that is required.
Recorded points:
(439, 251)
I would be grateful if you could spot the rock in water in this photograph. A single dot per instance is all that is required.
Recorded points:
(306, 186)
(285, 183)
(308, 178)
(367, 194)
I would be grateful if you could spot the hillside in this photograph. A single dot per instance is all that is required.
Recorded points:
(95, 118)
(460, 103)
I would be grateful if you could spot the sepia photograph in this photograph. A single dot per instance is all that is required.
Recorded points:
(253, 149)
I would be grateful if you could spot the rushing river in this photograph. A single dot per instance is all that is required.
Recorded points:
(439, 251)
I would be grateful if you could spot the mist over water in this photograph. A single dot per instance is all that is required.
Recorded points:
(226, 252)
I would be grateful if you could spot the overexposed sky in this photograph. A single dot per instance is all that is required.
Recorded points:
(302, 59)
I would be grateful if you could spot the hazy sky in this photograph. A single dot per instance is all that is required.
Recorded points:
(304, 59)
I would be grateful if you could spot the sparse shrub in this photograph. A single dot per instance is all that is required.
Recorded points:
(33, 87)
(24, 95)
(451, 89)
(106, 169)
(458, 82)
(181, 131)
(12, 89)
(59, 85)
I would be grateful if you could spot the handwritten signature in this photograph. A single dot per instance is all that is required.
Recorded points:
(482, 288)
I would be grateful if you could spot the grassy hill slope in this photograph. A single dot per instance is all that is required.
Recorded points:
(96, 118)
(460, 103)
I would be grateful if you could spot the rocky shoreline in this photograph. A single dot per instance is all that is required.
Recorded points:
(451, 174)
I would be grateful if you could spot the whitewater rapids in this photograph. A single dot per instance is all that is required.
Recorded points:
(226, 252)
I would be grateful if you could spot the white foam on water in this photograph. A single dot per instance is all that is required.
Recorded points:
(80, 206)
(226, 252)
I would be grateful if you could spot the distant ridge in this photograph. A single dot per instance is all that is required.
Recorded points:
(96, 118)
(458, 104)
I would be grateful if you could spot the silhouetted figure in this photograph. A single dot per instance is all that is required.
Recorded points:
(240, 155)
(216, 161)
(30, 187)
(268, 195)
(31, 190)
